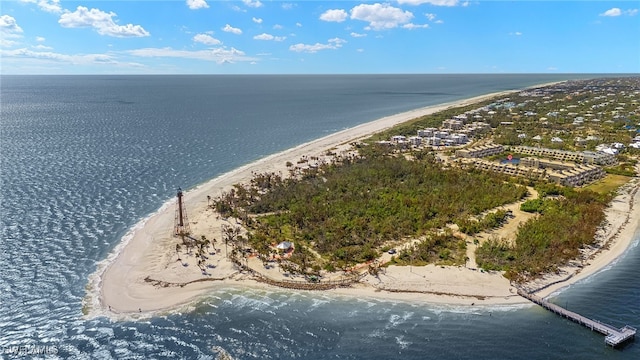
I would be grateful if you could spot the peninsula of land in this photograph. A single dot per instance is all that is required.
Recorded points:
(148, 274)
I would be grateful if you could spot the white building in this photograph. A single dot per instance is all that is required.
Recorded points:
(459, 139)
(441, 134)
(415, 140)
(428, 132)
(452, 124)
(433, 141)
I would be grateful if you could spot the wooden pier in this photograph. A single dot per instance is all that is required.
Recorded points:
(613, 335)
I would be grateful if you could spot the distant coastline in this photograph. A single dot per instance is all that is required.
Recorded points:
(121, 285)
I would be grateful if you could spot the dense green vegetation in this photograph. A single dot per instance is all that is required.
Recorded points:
(623, 168)
(471, 226)
(349, 211)
(532, 205)
(345, 212)
(437, 248)
(566, 223)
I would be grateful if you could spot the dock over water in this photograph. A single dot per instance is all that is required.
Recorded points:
(613, 335)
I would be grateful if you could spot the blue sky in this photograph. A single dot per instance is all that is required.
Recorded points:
(318, 37)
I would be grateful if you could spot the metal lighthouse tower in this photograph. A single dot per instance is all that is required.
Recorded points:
(181, 224)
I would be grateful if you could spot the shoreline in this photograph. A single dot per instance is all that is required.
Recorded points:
(118, 288)
(612, 241)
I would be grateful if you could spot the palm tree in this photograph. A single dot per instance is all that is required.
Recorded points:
(213, 243)
(230, 233)
(207, 244)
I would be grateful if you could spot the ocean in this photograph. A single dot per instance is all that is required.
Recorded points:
(83, 159)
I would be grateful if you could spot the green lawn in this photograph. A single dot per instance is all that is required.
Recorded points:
(610, 183)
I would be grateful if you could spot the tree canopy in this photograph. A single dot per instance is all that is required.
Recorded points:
(345, 211)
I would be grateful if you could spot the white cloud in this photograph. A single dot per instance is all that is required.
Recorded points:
(42, 47)
(230, 29)
(9, 29)
(332, 44)
(206, 39)
(219, 55)
(381, 16)
(47, 55)
(277, 26)
(269, 37)
(432, 2)
(360, 50)
(412, 26)
(52, 6)
(40, 39)
(612, 12)
(257, 20)
(310, 48)
(101, 21)
(9, 26)
(288, 6)
(252, 3)
(7, 43)
(432, 17)
(334, 15)
(197, 4)
(357, 35)
(298, 24)
(517, 33)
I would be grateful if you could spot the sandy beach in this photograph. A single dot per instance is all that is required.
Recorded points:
(143, 275)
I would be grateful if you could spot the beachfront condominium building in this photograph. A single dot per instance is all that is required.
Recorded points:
(577, 176)
(428, 132)
(599, 158)
(415, 140)
(546, 163)
(480, 151)
(567, 174)
(452, 124)
(585, 157)
(507, 168)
